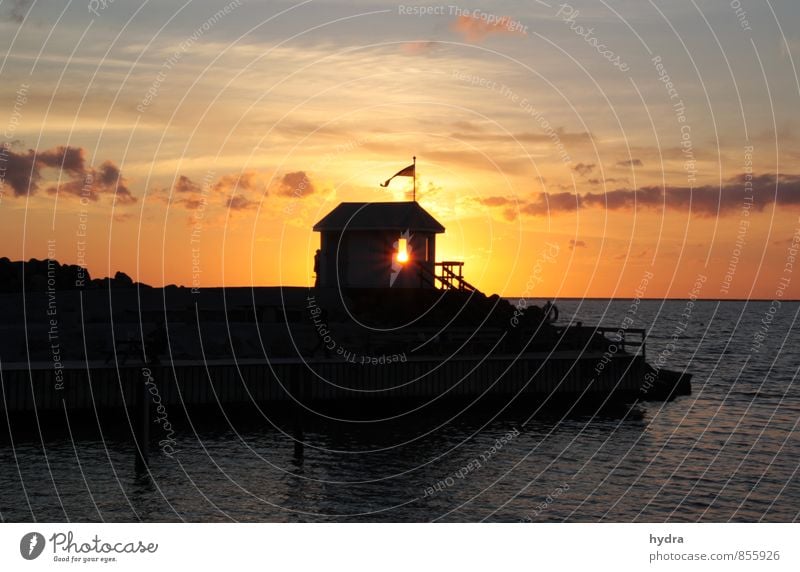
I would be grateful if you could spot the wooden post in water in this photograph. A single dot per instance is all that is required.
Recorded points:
(297, 421)
(141, 420)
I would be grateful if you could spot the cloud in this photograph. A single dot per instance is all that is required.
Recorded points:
(91, 183)
(193, 204)
(16, 10)
(23, 173)
(584, 169)
(481, 134)
(186, 192)
(626, 256)
(418, 48)
(606, 181)
(573, 244)
(242, 182)
(510, 214)
(551, 203)
(193, 195)
(186, 185)
(239, 203)
(495, 201)
(781, 190)
(509, 204)
(296, 184)
(69, 159)
(431, 189)
(630, 163)
(476, 30)
(111, 181)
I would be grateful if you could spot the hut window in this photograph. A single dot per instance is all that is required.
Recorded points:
(402, 250)
(427, 249)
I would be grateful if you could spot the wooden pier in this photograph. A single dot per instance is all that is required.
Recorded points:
(285, 381)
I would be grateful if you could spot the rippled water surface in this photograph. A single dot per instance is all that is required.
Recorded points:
(730, 451)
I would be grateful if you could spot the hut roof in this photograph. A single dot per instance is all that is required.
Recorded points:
(379, 216)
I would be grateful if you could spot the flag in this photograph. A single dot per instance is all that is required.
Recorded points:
(407, 172)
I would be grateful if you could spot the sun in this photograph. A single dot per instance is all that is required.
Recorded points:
(402, 251)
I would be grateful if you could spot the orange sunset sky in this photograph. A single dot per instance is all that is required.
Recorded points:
(198, 142)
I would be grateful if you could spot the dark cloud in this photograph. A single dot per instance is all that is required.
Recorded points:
(631, 163)
(69, 159)
(246, 181)
(23, 173)
(782, 190)
(234, 187)
(573, 244)
(550, 203)
(185, 192)
(606, 181)
(111, 181)
(584, 169)
(185, 185)
(91, 183)
(193, 204)
(239, 203)
(296, 184)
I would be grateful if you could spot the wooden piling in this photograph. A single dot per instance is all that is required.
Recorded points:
(299, 384)
(142, 428)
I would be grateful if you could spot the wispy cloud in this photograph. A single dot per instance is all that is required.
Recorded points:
(708, 200)
(583, 169)
(475, 29)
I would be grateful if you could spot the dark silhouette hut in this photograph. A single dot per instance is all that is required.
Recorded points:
(377, 245)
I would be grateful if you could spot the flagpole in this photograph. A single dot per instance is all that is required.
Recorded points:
(415, 178)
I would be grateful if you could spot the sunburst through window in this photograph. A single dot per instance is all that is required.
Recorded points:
(402, 250)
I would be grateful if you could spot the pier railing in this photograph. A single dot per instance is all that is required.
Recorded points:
(449, 277)
(629, 340)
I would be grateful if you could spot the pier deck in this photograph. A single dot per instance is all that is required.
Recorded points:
(218, 382)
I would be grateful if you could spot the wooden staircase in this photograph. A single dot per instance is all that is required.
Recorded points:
(450, 276)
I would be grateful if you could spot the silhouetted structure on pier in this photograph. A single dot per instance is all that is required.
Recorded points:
(383, 245)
